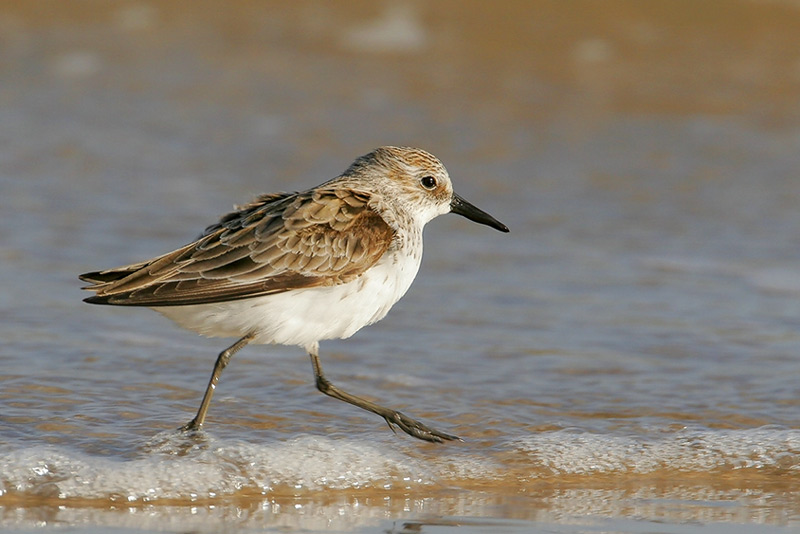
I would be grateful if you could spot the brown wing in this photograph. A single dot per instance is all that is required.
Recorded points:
(275, 244)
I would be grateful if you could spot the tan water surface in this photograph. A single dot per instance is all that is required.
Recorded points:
(625, 360)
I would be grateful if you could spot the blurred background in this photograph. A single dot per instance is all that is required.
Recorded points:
(651, 110)
(642, 315)
(232, 98)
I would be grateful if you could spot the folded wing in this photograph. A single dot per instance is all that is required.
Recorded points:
(277, 243)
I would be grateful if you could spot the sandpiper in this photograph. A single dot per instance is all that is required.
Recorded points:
(298, 268)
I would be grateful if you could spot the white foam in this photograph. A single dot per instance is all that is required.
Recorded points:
(173, 469)
(215, 469)
(578, 452)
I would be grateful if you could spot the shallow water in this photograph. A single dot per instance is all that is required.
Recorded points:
(625, 360)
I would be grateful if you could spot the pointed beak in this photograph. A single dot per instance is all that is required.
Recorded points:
(462, 207)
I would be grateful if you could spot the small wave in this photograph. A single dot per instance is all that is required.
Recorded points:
(576, 452)
(171, 469)
(776, 280)
(209, 470)
(780, 278)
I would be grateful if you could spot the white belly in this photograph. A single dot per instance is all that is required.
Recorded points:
(305, 316)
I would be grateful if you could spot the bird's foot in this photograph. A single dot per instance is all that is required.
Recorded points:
(191, 428)
(417, 429)
(181, 442)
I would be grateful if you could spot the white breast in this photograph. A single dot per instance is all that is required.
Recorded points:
(305, 316)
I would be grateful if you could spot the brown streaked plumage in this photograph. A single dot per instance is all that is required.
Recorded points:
(298, 268)
(277, 243)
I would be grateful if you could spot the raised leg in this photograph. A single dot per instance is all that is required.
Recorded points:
(222, 361)
(393, 417)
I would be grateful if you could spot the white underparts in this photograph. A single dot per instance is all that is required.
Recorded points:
(305, 316)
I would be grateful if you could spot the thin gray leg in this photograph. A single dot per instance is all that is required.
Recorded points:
(393, 417)
(222, 361)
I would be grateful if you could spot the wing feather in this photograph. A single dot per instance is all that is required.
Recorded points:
(277, 243)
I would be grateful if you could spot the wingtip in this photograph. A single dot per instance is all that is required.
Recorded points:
(94, 299)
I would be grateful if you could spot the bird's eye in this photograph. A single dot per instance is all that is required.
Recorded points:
(428, 182)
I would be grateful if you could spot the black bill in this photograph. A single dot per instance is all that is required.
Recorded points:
(462, 207)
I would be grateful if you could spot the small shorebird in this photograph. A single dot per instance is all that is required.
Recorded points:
(298, 268)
